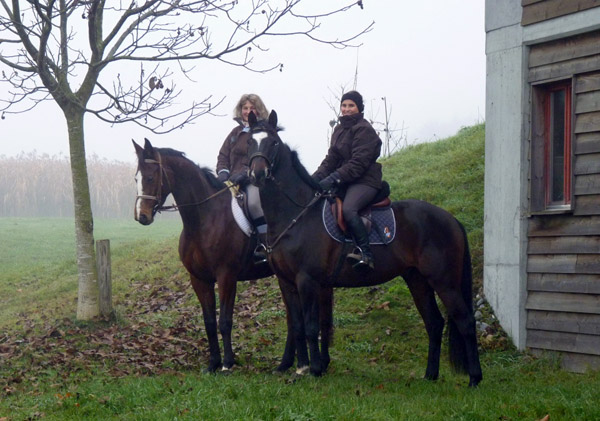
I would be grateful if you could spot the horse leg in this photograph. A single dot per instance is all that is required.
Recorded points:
(309, 297)
(464, 354)
(205, 291)
(326, 323)
(424, 299)
(288, 294)
(296, 337)
(227, 288)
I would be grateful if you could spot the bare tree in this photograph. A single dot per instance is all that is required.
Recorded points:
(394, 139)
(61, 50)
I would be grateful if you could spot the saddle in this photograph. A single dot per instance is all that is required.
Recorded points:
(378, 218)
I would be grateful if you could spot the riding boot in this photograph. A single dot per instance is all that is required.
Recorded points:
(364, 257)
(260, 252)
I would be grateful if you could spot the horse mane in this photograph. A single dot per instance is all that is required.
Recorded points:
(207, 173)
(170, 152)
(302, 172)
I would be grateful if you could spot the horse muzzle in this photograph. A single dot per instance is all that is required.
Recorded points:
(143, 213)
(259, 171)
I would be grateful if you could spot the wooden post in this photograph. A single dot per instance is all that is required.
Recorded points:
(104, 277)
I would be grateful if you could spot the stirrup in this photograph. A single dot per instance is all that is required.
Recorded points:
(361, 261)
(260, 254)
(355, 256)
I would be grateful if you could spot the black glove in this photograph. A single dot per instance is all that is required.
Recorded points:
(240, 179)
(329, 182)
(223, 176)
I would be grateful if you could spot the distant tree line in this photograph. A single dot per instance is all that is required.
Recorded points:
(33, 185)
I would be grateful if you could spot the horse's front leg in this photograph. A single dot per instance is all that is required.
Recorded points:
(227, 288)
(205, 291)
(309, 297)
(296, 339)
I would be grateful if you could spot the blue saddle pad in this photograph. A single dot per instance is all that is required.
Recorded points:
(383, 225)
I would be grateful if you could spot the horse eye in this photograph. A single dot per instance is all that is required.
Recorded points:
(150, 179)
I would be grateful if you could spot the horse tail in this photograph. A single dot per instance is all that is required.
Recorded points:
(456, 341)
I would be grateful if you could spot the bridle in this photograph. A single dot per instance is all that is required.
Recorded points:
(271, 162)
(158, 198)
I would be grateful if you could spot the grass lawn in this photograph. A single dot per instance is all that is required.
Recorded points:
(148, 364)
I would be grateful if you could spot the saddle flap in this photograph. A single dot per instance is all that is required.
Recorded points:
(239, 208)
(381, 220)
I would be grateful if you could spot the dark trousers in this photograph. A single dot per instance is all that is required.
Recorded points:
(357, 197)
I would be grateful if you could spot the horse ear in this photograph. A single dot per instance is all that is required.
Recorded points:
(252, 120)
(148, 149)
(273, 119)
(138, 149)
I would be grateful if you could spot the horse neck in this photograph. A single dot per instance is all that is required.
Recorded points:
(189, 186)
(285, 197)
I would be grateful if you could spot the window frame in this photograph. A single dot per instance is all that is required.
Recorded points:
(541, 147)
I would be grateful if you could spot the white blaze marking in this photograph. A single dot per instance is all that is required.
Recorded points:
(140, 191)
(260, 136)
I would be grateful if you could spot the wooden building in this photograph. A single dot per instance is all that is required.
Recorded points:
(543, 101)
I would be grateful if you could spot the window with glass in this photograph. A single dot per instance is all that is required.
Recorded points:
(551, 147)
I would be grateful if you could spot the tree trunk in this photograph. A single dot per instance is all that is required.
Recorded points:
(88, 296)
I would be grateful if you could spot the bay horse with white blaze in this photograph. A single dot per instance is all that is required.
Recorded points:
(429, 250)
(212, 247)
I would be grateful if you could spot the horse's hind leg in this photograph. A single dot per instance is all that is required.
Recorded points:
(424, 298)
(309, 296)
(326, 323)
(227, 289)
(205, 291)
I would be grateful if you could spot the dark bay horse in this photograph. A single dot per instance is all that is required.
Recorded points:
(430, 251)
(212, 247)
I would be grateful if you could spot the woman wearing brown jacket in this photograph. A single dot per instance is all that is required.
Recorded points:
(232, 163)
(351, 162)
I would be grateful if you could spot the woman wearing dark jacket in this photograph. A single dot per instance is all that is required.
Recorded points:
(232, 162)
(351, 162)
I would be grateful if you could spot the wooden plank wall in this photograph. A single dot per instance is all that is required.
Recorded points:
(563, 283)
(535, 11)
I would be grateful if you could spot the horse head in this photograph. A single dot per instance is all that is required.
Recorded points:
(151, 191)
(264, 147)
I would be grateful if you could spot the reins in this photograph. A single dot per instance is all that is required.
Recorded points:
(158, 197)
(174, 208)
(315, 199)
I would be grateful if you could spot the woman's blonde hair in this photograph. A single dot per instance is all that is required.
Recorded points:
(261, 110)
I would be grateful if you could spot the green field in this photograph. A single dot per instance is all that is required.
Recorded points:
(148, 363)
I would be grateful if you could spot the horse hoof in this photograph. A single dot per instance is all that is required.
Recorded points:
(474, 381)
(226, 370)
(213, 367)
(282, 368)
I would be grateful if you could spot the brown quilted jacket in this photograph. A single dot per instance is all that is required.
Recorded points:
(233, 155)
(355, 147)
